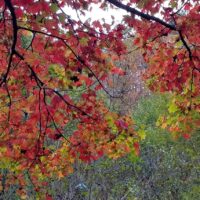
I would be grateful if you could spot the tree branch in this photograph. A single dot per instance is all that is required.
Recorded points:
(152, 18)
(78, 58)
(185, 44)
(15, 29)
(141, 14)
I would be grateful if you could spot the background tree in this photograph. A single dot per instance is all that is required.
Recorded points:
(127, 89)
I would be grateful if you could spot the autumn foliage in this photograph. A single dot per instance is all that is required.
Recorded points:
(46, 55)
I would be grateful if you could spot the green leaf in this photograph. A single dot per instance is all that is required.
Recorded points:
(179, 44)
(142, 134)
(61, 17)
(54, 7)
(84, 41)
(172, 108)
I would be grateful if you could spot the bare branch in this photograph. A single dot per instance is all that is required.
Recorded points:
(141, 14)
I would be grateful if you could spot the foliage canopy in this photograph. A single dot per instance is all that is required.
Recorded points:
(46, 55)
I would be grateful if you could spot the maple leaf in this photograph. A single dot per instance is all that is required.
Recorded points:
(117, 71)
(186, 136)
(137, 148)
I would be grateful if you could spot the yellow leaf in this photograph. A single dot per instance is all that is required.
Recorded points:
(60, 175)
(164, 125)
(142, 134)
